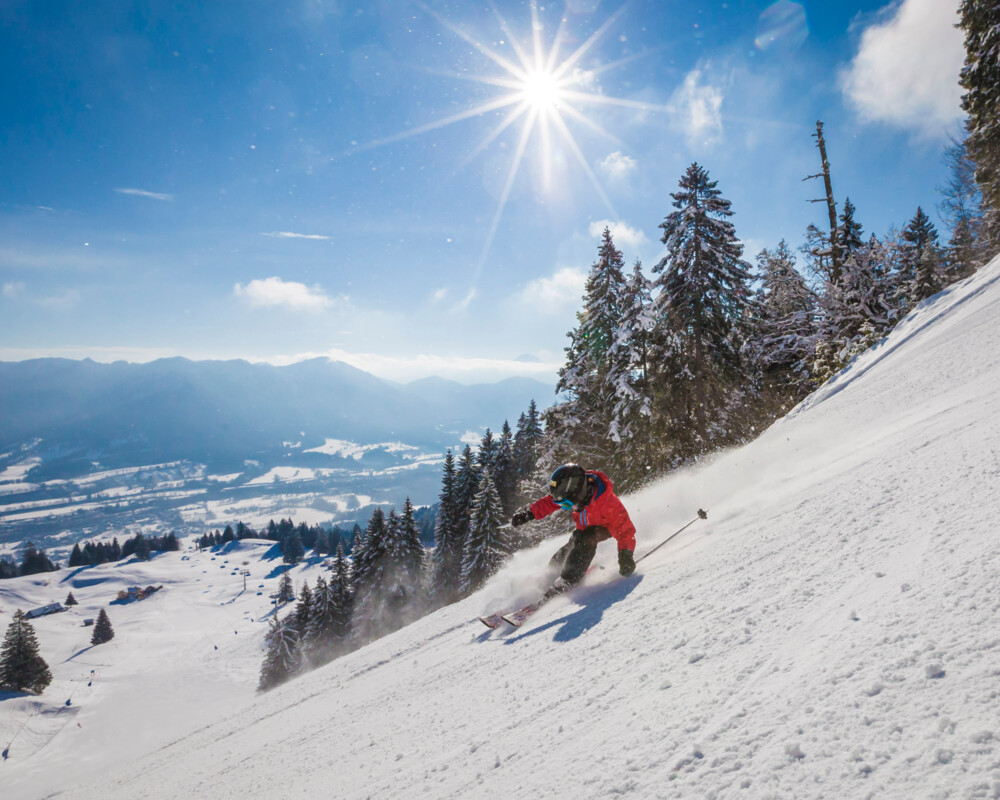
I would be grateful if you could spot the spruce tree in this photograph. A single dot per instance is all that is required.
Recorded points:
(585, 377)
(22, 668)
(411, 554)
(317, 635)
(283, 658)
(76, 556)
(103, 632)
(488, 545)
(448, 542)
(786, 330)
(466, 486)
(293, 551)
(285, 589)
(701, 313)
(372, 577)
(505, 470)
(70, 600)
(35, 561)
(303, 609)
(918, 236)
(850, 232)
(527, 442)
(141, 548)
(629, 378)
(342, 600)
(980, 19)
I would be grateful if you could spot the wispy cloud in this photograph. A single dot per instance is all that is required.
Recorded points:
(553, 294)
(697, 110)
(276, 293)
(291, 235)
(906, 71)
(18, 291)
(617, 166)
(13, 289)
(167, 198)
(624, 235)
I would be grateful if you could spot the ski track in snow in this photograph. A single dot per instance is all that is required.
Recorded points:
(831, 631)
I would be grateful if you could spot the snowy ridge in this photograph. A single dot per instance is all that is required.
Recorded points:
(829, 632)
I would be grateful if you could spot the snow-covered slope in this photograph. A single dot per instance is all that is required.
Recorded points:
(830, 632)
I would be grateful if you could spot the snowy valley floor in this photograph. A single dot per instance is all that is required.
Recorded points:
(832, 631)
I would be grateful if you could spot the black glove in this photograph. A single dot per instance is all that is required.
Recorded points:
(522, 516)
(626, 564)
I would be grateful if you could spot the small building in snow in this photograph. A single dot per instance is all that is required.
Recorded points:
(51, 608)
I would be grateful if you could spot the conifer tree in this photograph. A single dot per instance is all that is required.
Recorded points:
(980, 19)
(850, 233)
(487, 546)
(918, 236)
(410, 550)
(505, 470)
(317, 638)
(342, 600)
(701, 313)
(293, 551)
(629, 378)
(527, 442)
(285, 589)
(141, 548)
(22, 668)
(786, 333)
(103, 632)
(466, 486)
(487, 451)
(371, 575)
(283, 659)
(585, 377)
(70, 600)
(303, 609)
(35, 561)
(76, 556)
(448, 543)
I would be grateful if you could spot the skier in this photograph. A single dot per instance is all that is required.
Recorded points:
(598, 514)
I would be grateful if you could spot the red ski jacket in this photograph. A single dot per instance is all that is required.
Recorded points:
(604, 509)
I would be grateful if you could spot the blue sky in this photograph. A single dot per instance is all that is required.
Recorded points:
(276, 180)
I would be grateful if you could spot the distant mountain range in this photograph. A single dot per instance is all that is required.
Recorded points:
(219, 412)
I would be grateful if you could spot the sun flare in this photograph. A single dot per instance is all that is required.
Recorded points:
(543, 88)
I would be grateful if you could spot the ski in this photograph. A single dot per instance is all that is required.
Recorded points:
(517, 618)
(492, 621)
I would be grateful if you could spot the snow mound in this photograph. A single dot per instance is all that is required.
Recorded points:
(830, 631)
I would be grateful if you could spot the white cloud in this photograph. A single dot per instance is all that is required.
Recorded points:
(167, 198)
(439, 295)
(623, 235)
(617, 166)
(274, 292)
(463, 304)
(907, 67)
(13, 289)
(290, 235)
(697, 110)
(552, 295)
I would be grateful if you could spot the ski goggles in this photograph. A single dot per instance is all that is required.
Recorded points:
(569, 490)
(565, 503)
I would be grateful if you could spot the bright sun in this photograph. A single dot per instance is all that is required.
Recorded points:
(541, 90)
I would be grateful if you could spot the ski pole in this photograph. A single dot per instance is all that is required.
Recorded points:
(701, 515)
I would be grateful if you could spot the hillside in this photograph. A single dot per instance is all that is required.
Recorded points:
(829, 632)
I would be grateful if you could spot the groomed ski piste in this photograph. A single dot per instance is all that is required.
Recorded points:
(831, 631)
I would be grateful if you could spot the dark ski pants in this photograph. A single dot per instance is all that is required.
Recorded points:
(572, 559)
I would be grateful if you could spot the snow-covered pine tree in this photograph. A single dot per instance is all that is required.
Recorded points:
(908, 248)
(303, 608)
(372, 577)
(411, 558)
(318, 638)
(980, 19)
(487, 546)
(865, 294)
(585, 375)
(466, 486)
(787, 331)
(629, 376)
(286, 592)
(22, 668)
(527, 442)
(505, 471)
(701, 314)
(103, 632)
(927, 281)
(850, 234)
(342, 600)
(283, 656)
(449, 545)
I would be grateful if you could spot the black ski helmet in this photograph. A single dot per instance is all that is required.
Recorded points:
(568, 485)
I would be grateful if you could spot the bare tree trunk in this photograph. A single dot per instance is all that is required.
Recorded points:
(835, 255)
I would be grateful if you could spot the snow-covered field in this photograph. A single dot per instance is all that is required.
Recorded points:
(832, 631)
